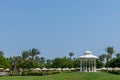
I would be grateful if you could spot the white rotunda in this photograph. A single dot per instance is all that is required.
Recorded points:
(88, 62)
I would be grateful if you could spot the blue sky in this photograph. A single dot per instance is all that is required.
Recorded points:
(57, 27)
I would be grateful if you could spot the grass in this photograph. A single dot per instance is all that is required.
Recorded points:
(67, 76)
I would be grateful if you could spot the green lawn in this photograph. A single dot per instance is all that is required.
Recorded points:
(67, 76)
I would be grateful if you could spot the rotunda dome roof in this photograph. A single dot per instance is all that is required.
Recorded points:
(88, 54)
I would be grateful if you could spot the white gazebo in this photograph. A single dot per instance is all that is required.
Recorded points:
(88, 62)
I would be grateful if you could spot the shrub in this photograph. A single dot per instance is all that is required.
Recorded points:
(114, 72)
(30, 73)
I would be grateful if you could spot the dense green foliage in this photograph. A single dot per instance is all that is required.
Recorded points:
(68, 76)
(4, 62)
(115, 62)
(100, 64)
(114, 72)
(110, 51)
(44, 73)
(62, 63)
(31, 58)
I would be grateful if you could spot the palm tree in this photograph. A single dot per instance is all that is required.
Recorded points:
(25, 55)
(118, 55)
(37, 61)
(48, 63)
(33, 53)
(42, 60)
(110, 51)
(1, 53)
(102, 57)
(71, 54)
(15, 64)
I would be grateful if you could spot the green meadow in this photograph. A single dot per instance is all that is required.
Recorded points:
(67, 76)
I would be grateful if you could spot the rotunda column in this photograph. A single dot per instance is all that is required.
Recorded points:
(94, 65)
(81, 65)
(89, 65)
(86, 66)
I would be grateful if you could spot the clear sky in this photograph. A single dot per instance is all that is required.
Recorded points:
(57, 27)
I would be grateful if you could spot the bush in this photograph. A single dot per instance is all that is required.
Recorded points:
(114, 72)
(39, 73)
(32, 74)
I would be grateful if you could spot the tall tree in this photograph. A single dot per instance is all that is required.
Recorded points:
(1, 53)
(4, 63)
(99, 64)
(48, 63)
(118, 55)
(102, 57)
(25, 55)
(76, 62)
(37, 62)
(110, 51)
(15, 62)
(62, 63)
(42, 61)
(71, 54)
(33, 53)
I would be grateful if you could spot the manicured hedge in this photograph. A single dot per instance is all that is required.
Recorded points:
(114, 72)
(39, 73)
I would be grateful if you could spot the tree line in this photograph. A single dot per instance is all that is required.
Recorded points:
(31, 59)
(108, 60)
